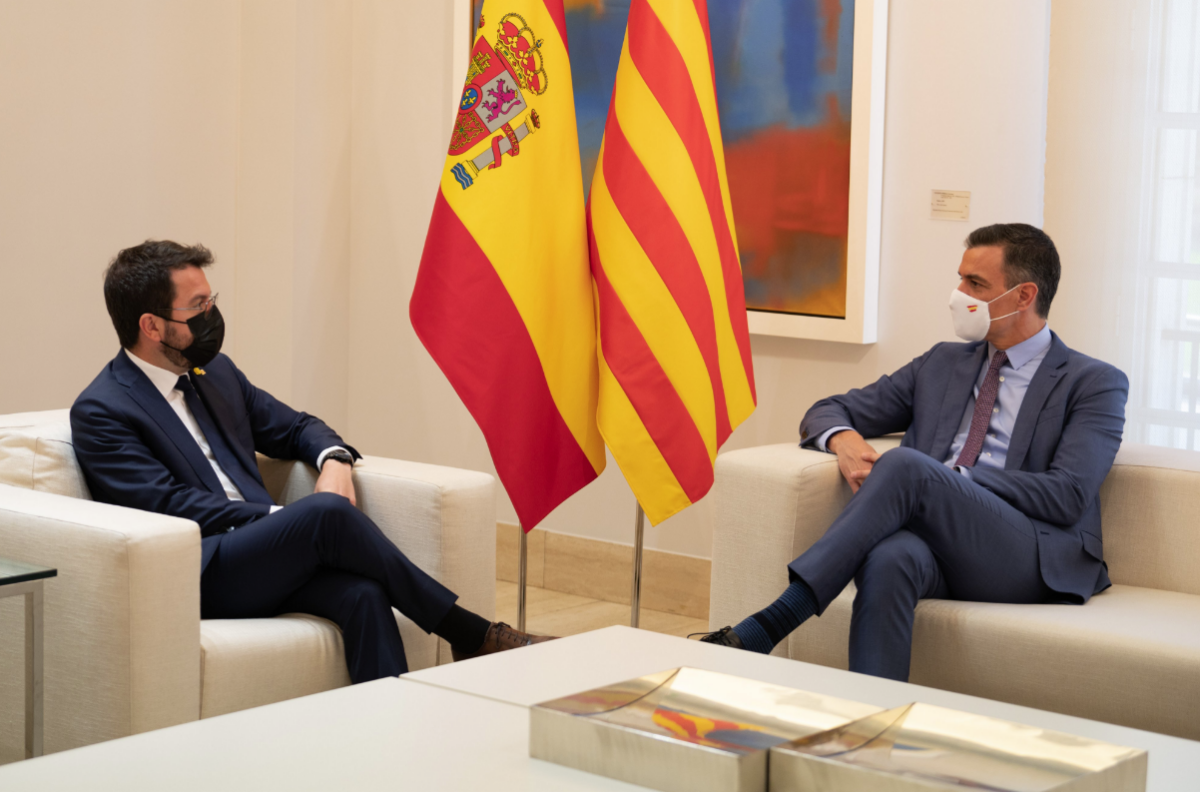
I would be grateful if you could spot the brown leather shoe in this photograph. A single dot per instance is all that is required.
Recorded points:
(500, 638)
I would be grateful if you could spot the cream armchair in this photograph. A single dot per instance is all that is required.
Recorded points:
(125, 648)
(1130, 656)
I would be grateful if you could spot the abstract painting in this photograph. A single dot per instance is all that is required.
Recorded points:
(784, 72)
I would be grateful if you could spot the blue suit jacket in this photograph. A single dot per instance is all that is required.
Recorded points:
(136, 452)
(1066, 436)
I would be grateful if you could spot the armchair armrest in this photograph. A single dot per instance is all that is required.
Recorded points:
(287, 480)
(772, 503)
(122, 618)
(443, 518)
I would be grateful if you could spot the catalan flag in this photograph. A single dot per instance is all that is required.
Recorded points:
(503, 298)
(674, 349)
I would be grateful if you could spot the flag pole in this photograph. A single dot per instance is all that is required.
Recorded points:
(635, 599)
(522, 569)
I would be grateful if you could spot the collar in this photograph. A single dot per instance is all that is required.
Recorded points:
(1027, 350)
(163, 381)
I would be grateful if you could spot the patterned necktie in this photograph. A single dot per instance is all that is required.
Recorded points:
(984, 409)
(251, 490)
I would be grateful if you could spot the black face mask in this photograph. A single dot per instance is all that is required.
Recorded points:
(208, 333)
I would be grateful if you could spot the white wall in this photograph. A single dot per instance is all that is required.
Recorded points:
(1097, 111)
(400, 404)
(212, 121)
(303, 140)
(293, 201)
(113, 128)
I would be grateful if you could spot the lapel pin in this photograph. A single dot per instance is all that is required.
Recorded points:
(199, 371)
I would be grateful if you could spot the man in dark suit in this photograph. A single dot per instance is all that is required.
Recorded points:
(172, 426)
(993, 495)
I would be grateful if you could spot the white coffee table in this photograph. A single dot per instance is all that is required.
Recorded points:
(465, 727)
(559, 668)
(383, 735)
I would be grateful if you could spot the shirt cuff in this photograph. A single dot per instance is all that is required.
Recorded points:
(274, 509)
(824, 438)
(327, 452)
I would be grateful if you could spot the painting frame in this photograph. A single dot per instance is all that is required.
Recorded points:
(863, 242)
(860, 325)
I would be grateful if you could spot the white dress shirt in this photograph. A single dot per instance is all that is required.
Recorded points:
(164, 382)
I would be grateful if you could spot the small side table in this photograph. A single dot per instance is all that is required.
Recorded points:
(17, 577)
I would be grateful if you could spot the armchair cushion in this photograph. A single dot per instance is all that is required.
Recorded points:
(36, 453)
(1149, 502)
(251, 662)
(1129, 656)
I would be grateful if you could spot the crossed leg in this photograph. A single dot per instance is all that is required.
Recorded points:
(916, 529)
(360, 607)
(321, 555)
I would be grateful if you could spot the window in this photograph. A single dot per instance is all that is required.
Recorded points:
(1165, 403)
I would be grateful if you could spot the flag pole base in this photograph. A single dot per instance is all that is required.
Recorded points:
(522, 572)
(635, 598)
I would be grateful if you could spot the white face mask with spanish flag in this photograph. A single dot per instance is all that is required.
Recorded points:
(971, 316)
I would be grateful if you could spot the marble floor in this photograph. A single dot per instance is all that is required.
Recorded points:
(555, 613)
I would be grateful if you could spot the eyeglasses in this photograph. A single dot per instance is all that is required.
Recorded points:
(205, 306)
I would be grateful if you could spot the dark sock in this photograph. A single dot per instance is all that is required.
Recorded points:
(462, 629)
(762, 631)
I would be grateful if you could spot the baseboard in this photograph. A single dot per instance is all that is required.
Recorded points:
(602, 570)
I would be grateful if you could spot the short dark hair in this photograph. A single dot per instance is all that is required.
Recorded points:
(138, 281)
(1029, 257)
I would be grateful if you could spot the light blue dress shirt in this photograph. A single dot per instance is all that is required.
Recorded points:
(1015, 376)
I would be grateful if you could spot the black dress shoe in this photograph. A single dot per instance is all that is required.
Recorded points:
(722, 637)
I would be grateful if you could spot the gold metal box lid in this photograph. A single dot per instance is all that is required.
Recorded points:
(922, 747)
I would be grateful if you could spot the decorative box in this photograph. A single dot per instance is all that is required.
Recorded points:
(682, 730)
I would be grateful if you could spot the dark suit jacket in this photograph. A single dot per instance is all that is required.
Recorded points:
(1066, 436)
(136, 452)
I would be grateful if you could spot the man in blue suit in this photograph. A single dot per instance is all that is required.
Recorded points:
(993, 495)
(172, 426)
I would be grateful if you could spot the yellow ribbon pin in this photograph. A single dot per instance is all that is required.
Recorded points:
(199, 371)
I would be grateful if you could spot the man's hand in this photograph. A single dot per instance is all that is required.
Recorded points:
(335, 477)
(855, 457)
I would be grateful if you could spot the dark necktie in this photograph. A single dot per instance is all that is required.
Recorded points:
(251, 490)
(984, 407)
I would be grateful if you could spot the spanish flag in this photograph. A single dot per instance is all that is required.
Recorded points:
(503, 298)
(674, 349)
